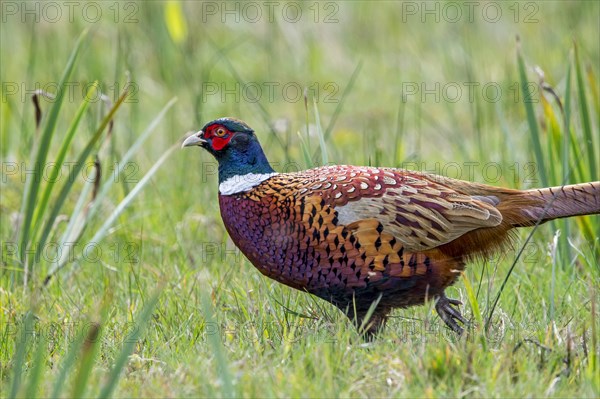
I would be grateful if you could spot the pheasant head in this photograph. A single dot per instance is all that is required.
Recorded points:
(242, 162)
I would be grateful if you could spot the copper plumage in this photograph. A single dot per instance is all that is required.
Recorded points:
(358, 236)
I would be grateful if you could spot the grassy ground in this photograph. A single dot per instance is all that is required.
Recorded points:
(151, 298)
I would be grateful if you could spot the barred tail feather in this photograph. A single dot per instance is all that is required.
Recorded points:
(563, 201)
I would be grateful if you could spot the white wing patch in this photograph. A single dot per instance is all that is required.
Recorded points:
(421, 219)
(242, 183)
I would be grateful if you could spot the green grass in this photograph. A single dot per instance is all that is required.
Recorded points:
(155, 299)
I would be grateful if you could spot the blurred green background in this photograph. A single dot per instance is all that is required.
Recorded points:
(432, 86)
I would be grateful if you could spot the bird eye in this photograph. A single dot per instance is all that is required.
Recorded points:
(220, 132)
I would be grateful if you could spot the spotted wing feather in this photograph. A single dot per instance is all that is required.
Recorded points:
(418, 211)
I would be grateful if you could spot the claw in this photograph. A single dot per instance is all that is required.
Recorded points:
(450, 315)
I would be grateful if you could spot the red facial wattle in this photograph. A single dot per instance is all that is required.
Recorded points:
(218, 142)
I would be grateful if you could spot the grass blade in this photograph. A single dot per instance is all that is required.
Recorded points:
(593, 85)
(101, 233)
(75, 171)
(305, 152)
(132, 151)
(567, 126)
(217, 348)
(103, 230)
(71, 235)
(34, 180)
(38, 365)
(474, 305)
(324, 156)
(40, 209)
(77, 220)
(19, 359)
(585, 118)
(565, 249)
(129, 346)
(531, 119)
(340, 105)
(68, 363)
(90, 347)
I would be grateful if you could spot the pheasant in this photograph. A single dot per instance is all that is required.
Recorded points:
(367, 237)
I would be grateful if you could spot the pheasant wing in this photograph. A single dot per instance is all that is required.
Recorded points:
(420, 211)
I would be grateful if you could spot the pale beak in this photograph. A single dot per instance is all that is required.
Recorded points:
(194, 139)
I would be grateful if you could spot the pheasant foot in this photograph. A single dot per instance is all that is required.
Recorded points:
(445, 308)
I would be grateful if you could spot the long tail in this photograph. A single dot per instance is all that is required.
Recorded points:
(520, 209)
(560, 202)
